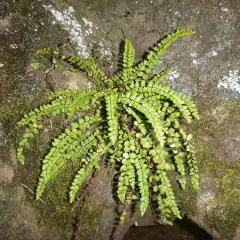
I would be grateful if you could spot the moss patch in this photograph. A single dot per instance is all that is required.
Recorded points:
(216, 141)
(225, 217)
(59, 213)
(90, 221)
(187, 199)
(56, 213)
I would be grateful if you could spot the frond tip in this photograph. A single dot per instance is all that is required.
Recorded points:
(128, 55)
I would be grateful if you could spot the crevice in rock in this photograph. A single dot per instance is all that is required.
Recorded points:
(183, 229)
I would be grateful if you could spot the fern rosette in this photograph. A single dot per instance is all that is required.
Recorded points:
(132, 121)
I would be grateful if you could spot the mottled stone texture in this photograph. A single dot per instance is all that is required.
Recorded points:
(206, 68)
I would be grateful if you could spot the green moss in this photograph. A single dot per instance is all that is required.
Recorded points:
(216, 122)
(187, 198)
(58, 213)
(224, 221)
(90, 220)
(225, 216)
(61, 4)
(11, 112)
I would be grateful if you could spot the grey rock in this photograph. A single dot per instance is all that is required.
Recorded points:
(1, 135)
(201, 62)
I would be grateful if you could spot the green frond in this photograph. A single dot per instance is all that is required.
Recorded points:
(32, 130)
(193, 166)
(86, 65)
(127, 175)
(191, 159)
(159, 77)
(142, 175)
(70, 145)
(186, 107)
(175, 144)
(128, 61)
(111, 107)
(116, 77)
(90, 162)
(136, 101)
(144, 68)
(166, 199)
(128, 55)
(67, 102)
(139, 122)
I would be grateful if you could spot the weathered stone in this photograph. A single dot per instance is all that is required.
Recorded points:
(65, 79)
(206, 68)
(1, 135)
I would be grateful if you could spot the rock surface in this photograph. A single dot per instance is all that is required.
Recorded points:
(206, 68)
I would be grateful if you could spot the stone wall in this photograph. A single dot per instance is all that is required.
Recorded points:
(206, 68)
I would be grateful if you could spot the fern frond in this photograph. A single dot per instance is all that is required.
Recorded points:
(139, 122)
(166, 199)
(128, 55)
(32, 130)
(127, 178)
(150, 113)
(128, 61)
(63, 104)
(126, 173)
(111, 107)
(53, 165)
(145, 67)
(186, 107)
(158, 78)
(191, 160)
(175, 144)
(90, 163)
(67, 147)
(91, 70)
(193, 170)
(142, 174)
(86, 65)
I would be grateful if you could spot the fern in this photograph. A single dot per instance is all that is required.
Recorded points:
(133, 121)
